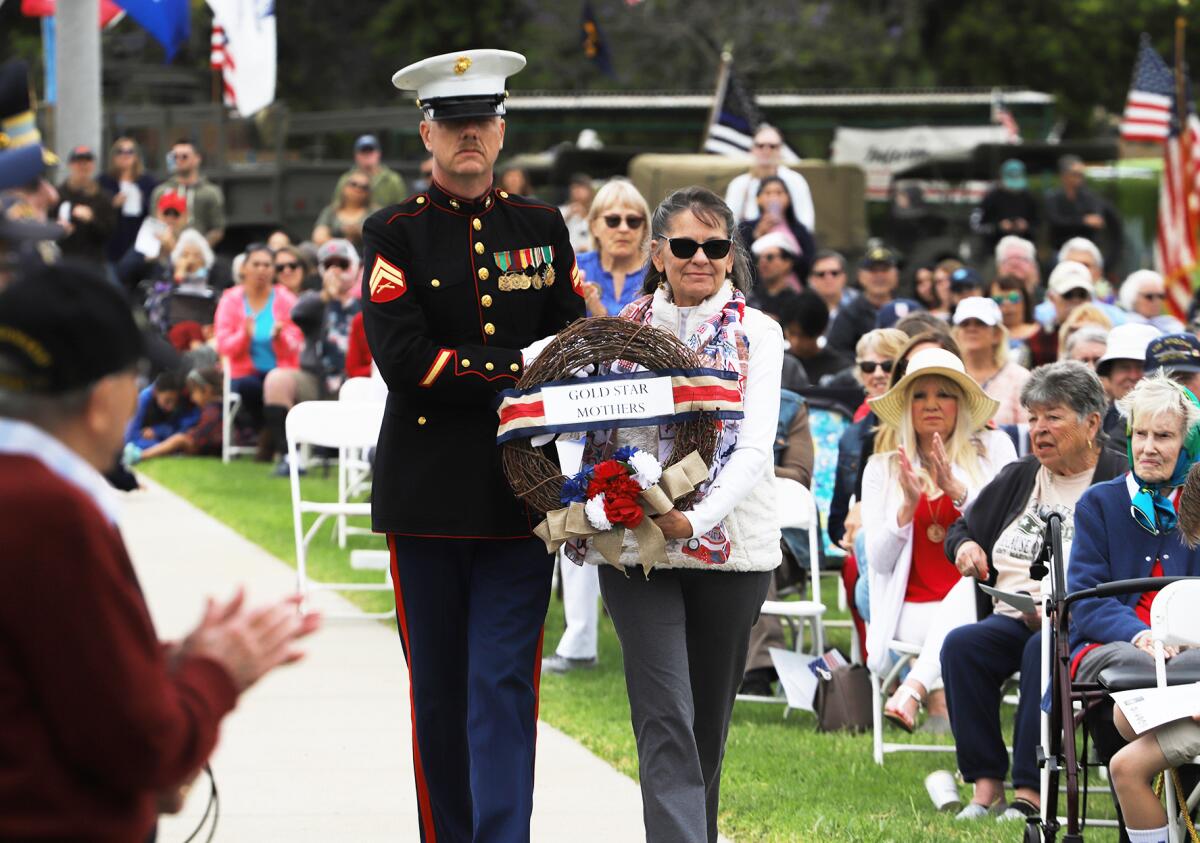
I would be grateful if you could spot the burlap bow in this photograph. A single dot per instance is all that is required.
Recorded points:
(570, 522)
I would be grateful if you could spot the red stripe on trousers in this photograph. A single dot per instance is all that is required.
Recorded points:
(537, 697)
(424, 807)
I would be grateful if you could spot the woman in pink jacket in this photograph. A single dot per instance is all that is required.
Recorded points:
(254, 330)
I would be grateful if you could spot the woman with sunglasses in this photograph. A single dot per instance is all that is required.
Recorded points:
(776, 213)
(684, 629)
(130, 186)
(933, 453)
(1144, 296)
(616, 266)
(292, 271)
(1029, 342)
(345, 217)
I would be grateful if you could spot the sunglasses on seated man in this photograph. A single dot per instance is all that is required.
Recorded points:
(684, 247)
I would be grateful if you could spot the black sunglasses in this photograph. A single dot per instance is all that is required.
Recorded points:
(340, 263)
(633, 221)
(868, 367)
(684, 247)
(286, 267)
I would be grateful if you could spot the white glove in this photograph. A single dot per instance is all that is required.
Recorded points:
(531, 351)
(584, 371)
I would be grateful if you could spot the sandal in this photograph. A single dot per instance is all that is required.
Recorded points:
(897, 715)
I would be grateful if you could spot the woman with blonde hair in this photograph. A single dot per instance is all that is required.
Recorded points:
(615, 268)
(1084, 314)
(933, 453)
(130, 185)
(980, 333)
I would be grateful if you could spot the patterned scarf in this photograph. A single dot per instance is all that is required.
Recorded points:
(721, 343)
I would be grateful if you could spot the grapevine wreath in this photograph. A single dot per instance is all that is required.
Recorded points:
(536, 478)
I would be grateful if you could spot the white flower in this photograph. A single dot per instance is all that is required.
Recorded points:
(594, 510)
(646, 469)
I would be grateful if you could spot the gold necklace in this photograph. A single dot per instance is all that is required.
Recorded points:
(935, 532)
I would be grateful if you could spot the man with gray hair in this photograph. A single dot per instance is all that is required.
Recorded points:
(100, 718)
(1080, 250)
(1017, 256)
(1086, 346)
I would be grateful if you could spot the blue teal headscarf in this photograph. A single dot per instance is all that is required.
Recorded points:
(1152, 510)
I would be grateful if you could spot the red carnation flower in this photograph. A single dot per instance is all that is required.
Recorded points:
(604, 475)
(623, 510)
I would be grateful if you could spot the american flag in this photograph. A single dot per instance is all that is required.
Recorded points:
(1001, 116)
(220, 60)
(1151, 115)
(1151, 99)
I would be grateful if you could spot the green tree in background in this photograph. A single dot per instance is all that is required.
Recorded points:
(342, 55)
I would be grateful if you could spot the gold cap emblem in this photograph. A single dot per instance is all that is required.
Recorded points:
(462, 65)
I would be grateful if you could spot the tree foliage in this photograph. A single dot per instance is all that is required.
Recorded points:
(342, 55)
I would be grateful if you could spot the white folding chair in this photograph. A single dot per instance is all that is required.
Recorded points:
(354, 469)
(797, 509)
(231, 402)
(345, 426)
(1174, 621)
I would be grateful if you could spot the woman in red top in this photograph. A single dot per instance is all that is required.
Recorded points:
(933, 453)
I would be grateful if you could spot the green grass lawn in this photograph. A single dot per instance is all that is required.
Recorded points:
(782, 780)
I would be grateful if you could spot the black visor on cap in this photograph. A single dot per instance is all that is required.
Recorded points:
(454, 108)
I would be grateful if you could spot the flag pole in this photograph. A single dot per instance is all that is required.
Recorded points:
(1181, 103)
(722, 84)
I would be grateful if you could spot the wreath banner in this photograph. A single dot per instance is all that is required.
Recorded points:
(603, 402)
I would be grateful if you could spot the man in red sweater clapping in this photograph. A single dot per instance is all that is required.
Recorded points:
(97, 717)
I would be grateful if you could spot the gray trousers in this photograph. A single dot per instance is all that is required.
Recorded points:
(1124, 654)
(683, 635)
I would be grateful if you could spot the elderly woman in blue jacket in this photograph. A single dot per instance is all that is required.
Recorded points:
(1127, 528)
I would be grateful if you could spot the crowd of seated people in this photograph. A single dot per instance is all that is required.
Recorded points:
(962, 413)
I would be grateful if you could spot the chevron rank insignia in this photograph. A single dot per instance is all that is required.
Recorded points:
(387, 281)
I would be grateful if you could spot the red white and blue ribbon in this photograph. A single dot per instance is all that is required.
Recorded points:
(714, 392)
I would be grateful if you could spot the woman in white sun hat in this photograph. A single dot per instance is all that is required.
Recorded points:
(933, 454)
(980, 333)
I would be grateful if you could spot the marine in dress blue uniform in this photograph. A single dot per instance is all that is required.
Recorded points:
(457, 280)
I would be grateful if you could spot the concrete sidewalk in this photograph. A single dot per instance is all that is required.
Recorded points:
(322, 751)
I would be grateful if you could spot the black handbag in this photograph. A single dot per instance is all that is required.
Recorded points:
(843, 699)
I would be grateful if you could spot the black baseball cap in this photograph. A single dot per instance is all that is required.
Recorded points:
(965, 278)
(878, 256)
(63, 328)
